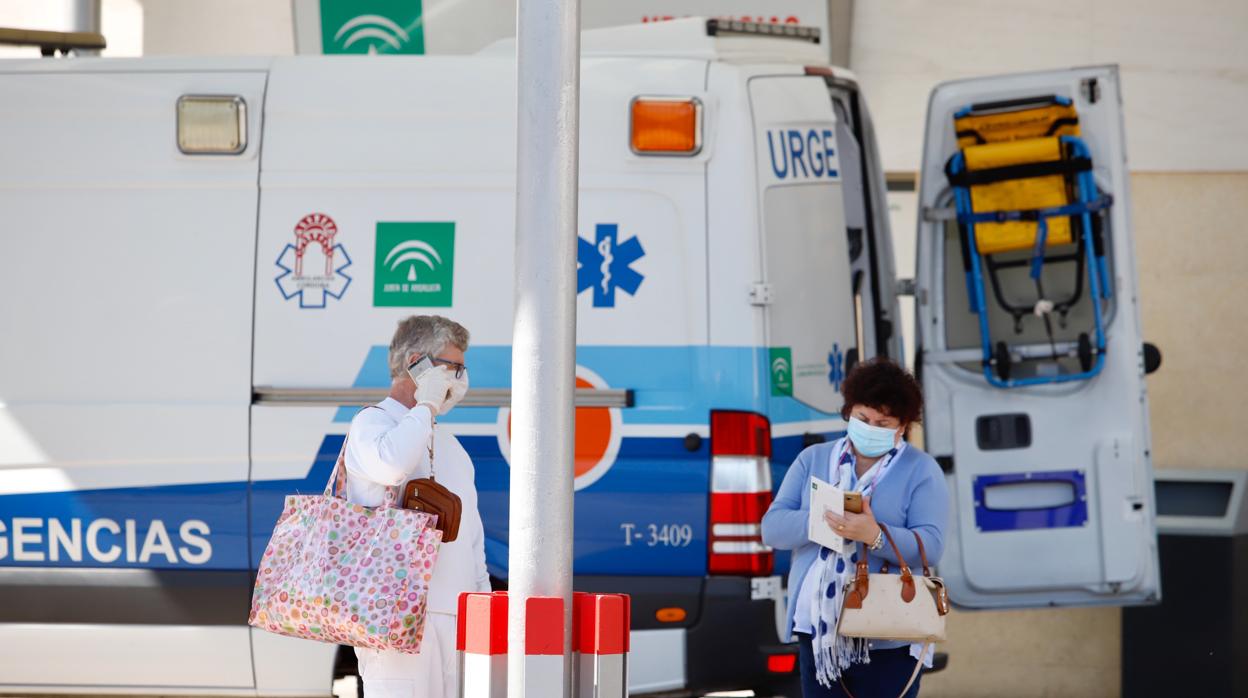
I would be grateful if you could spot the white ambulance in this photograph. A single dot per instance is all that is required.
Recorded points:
(205, 260)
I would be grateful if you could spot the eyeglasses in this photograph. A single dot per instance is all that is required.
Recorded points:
(460, 369)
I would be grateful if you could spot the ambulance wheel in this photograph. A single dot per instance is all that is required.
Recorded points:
(1085, 352)
(1002, 359)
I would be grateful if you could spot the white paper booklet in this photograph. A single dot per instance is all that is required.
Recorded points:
(825, 497)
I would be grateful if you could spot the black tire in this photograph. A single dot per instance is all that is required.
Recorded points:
(1085, 352)
(1003, 361)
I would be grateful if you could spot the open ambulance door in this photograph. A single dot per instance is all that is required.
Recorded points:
(807, 289)
(1037, 411)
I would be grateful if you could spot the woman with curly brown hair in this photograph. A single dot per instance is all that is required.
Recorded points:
(901, 487)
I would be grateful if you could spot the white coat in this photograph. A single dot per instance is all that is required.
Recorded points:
(387, 447)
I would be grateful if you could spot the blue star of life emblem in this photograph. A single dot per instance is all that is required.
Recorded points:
(606, 264)
(836, 361)
(313, 290)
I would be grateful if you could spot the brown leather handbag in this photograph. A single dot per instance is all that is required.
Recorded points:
(429, 496)
(885, 606)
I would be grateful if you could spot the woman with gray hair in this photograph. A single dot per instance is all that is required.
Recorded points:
(392, 442)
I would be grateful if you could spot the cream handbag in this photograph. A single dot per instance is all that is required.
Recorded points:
(884, 606)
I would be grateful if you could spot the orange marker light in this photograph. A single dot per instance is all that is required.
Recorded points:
(666, 126)
(670, 615)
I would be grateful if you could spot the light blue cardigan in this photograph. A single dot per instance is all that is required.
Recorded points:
(913, 497)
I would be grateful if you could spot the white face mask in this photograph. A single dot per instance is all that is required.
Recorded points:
(459, 388)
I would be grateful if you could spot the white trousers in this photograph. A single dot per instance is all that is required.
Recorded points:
(434, 673)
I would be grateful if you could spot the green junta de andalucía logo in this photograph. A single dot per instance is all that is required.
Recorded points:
(414, 264)
(372, 26)
(781, 371)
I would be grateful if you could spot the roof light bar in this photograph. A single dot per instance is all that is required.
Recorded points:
(732, 27)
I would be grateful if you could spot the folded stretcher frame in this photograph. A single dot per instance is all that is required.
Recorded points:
(1022, 180)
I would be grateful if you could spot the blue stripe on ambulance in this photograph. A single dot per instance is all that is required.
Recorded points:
(654, 480)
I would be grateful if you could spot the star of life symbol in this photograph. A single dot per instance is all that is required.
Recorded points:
(313, 284)
(836, 361)
(606, 264)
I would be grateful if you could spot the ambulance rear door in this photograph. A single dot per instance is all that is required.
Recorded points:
(1051, 482)
(806, 282)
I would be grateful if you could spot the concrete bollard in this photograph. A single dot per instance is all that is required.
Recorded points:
(543, 647)
(481, 644)
(601, 641)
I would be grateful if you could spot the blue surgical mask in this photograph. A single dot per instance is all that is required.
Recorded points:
(871, 441)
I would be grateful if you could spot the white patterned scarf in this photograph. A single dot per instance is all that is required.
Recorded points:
(833, 653)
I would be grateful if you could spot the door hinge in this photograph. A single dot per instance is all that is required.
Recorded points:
(760, 294)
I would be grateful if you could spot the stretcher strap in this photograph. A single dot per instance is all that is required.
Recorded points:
(1103, 201)
(1040, 215)
(971, 178)
(1058, 124)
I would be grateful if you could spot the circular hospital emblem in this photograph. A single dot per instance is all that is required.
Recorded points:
(598, 434)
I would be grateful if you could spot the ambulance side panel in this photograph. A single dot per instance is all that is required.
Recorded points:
(124, 380)
(413, 158)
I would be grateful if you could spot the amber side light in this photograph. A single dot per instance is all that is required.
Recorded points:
(665, 126)
(670, 615)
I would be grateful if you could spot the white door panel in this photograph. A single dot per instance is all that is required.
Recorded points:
(129, 286)
(1061, 512)
(810, 318)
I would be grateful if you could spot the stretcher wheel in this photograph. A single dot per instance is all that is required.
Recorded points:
(1002, 360)
(1085, 352)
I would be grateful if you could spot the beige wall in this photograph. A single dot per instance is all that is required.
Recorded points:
(219, 27)
(1184, 67)
(1191, 233)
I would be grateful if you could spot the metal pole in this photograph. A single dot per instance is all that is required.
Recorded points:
(85, 17)
(544, 343)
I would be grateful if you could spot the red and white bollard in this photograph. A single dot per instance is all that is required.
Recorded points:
(600, 638)
(601, 624)
(543, 647)
(482, 645)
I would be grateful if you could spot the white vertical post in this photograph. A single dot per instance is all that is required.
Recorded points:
(544, 343)
(85, 17)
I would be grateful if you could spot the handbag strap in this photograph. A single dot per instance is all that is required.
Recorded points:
(905, 568)
(918, 666)
(433, 424)
(927, 569)
(337, 485)
(863, 572)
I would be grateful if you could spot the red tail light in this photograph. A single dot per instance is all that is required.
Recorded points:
(740, 493)
(781, 663)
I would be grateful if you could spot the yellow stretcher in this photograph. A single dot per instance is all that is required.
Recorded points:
(1022, 181)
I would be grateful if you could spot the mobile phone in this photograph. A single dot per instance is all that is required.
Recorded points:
(853, 502)
(419, 366)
